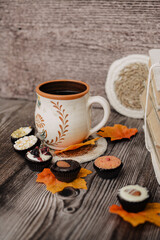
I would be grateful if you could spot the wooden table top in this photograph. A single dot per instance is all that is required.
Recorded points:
(28, 211)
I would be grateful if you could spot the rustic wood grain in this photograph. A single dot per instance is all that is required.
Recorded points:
(52, 39)
(28, 211)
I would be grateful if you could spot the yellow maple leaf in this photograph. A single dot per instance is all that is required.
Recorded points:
(149, 214)
(53, 185)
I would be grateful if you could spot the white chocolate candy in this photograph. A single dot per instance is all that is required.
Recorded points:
(21, 132)
(25, 142)
(133, 193)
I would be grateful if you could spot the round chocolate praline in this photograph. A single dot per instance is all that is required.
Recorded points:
(14, 139)
(38, 165)
(67, 171)
(134, 205)
(107, 173)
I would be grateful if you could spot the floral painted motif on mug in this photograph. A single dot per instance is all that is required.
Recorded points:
(39, 121)
(63, 127)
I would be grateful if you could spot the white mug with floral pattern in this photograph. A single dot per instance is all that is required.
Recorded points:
(63, 112)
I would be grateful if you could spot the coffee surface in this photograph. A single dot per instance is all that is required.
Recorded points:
(62, 92)
(63, 88)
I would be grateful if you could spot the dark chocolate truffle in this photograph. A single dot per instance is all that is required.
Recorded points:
(66, 170)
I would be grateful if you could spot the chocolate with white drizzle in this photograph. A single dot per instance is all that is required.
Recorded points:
(38, 158)
(133, 198)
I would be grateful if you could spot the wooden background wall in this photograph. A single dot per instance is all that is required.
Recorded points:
(51, 39)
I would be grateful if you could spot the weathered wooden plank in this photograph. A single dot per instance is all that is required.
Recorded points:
(28, 211)
(44, 40)
(14, 114)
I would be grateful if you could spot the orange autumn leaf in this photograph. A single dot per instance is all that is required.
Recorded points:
(117, 132)
(46, 176)
(78, 145)
(53, 185)
(149, 214)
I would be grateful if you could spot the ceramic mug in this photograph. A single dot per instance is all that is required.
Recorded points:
(63, 112)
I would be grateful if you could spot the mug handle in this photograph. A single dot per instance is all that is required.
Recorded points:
(103, 102)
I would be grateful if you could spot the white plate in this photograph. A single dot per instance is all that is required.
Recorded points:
(113, 73)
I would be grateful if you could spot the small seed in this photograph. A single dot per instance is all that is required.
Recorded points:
(63, 164)
(133, 192)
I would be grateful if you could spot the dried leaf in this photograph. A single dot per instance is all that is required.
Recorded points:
(78, 145)
(117, 132)
(83, 173)
(150, 214)
(46, 176)
(53, 185)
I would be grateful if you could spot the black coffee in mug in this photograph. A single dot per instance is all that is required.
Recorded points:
(63, 88)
